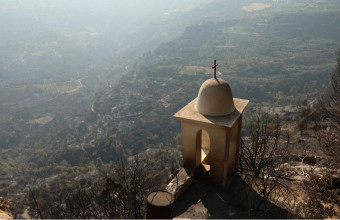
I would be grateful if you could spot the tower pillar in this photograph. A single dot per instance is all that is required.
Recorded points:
(211, 130)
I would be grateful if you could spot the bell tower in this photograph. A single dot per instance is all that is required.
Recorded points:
(211, 130)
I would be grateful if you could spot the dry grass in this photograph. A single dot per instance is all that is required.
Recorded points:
(255, 7)
(41, 121)
(164, 101)
(194, 70)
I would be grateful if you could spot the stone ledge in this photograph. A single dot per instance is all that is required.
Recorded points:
(181, 182)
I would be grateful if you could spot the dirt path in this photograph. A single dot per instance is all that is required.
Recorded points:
(77, 88)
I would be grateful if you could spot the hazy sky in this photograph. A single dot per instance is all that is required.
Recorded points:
(20, 17)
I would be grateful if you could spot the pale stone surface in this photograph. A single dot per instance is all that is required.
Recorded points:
(215, 98)
(160, 198)
(188, 112)
(5, 211)
(220, 154)
(5, 215)
(180, 182)
(221, 134)
(234, 146)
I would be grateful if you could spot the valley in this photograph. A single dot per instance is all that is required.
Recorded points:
(64, 125)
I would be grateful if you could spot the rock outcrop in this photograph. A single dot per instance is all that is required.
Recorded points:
(5, 212)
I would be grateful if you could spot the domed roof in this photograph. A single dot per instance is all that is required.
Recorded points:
(215, 98)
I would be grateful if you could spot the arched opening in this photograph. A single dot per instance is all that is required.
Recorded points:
(203, 144)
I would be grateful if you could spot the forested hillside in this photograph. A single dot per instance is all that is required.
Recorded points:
(61, 135)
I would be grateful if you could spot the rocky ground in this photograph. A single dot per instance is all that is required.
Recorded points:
(306, 158)
(5, 212)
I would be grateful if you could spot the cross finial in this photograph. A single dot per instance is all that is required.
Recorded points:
(215, 67)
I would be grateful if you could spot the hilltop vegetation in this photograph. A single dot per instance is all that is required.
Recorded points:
(68, 122)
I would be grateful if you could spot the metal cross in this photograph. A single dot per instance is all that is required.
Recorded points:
(215, 67)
